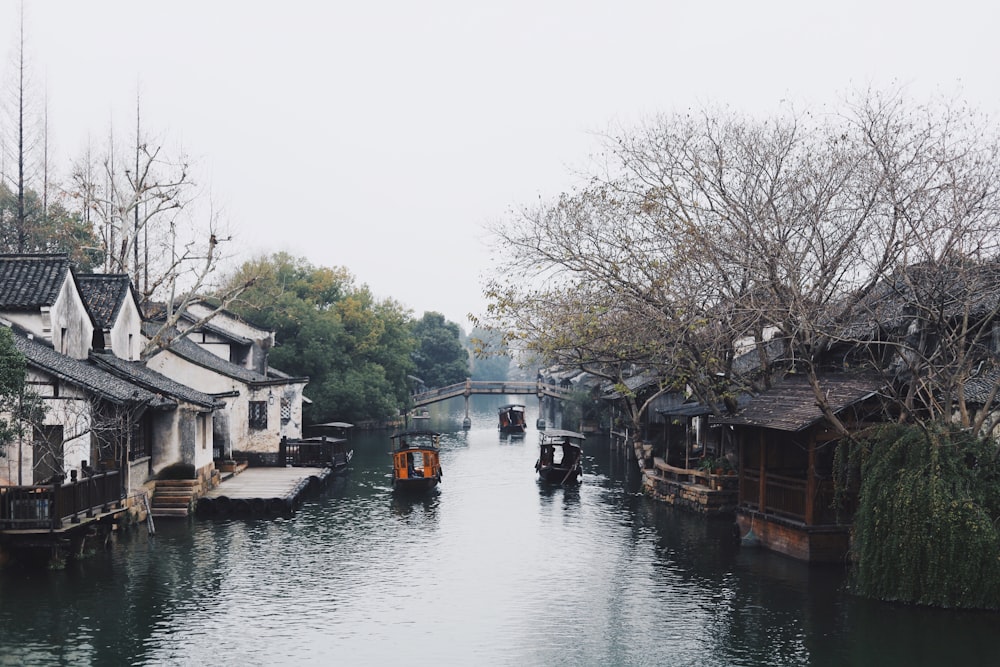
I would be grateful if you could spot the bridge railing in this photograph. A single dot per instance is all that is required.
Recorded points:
(488, 387)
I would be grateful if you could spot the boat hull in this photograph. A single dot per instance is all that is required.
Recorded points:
(415, 485)
(560, 474)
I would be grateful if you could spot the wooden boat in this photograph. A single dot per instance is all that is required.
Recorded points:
(337, 434)
(316, 452)
(416, 464)
(560, 455)
(511, 419)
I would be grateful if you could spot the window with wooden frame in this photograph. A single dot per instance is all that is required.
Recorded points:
(258, 414)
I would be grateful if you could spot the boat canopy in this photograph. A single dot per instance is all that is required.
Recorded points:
(556, 435)
(415, 439)
(511, 406)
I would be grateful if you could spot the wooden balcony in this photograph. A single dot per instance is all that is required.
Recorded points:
(59, 506)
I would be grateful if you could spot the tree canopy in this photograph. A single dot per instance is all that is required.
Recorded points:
(51, 228)
(705, 234)
(859, 238)
(439, 357)
(356, 350)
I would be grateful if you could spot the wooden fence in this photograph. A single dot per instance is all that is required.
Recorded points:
(49, 506)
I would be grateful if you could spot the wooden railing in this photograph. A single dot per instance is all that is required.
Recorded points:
(312, 453)
(695, 475)
(787, 496)
(48, 506)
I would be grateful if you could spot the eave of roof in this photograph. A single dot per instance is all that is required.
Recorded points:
(138, 373)
(196, 354)
(84, 375)
(792, 406)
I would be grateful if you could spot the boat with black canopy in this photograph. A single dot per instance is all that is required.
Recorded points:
(511, 420)
(560, 457)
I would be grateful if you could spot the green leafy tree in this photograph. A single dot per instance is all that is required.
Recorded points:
(440, 358)
(21, 408)
(51, 228)
(926, 527)
(354, 349)
(490, 359)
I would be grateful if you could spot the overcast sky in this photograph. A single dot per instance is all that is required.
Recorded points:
(383, 135)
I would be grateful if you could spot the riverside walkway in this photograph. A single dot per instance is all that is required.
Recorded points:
(262, 492)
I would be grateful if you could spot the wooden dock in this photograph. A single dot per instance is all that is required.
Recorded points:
(262, 492)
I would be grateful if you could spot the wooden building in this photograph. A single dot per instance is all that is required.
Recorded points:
(787, 451)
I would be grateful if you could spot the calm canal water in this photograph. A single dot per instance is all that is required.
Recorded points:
(492, 570)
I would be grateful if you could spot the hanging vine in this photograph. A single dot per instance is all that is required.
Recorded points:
(926, 527)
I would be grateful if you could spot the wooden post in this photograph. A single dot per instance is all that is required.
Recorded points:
(810, 509)
(762, 490)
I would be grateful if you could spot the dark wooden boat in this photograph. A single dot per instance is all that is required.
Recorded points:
(416, 462)
(317, 452)
(560, 456)
(511, 419)
(337, 434)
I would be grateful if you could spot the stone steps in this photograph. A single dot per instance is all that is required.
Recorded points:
(174, 497)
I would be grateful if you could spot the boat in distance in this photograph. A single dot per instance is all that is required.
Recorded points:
(560, 457)
(511, 420)
(416, 461)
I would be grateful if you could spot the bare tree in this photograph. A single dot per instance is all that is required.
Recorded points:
(21, 141)
(714, 231)
(154, 227)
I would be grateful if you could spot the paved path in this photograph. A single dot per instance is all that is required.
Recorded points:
(265, 483)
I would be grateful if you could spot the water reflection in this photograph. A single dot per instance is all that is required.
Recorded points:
(494, 568)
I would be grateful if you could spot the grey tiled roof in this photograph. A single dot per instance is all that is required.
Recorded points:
(136, 372)
(951, 291)
(104, 295)
(977, 389)
(28, 282)
(83, 374)
(191, 351)
(791, 405)
(221, 331)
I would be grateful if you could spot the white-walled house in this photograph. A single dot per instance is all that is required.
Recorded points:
(114, 306)
(179, 433)
(102, 407)
(81, 428)
(230, 337)
(40, 294)
(261, 408)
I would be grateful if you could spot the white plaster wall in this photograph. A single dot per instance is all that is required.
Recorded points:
(126, 334)
(165, 450)
(34, 323)
(263, 338)
(69, 314)
(293, 394)
(210, 382)
(229, 323)
(203, 446)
